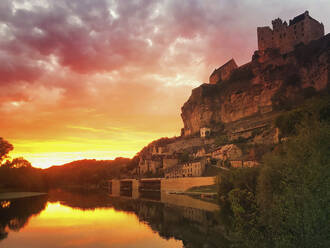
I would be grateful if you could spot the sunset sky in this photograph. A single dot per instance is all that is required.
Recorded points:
(103, 78)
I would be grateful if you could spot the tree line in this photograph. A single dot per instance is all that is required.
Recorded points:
(19, 175)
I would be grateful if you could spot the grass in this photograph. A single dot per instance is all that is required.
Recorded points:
(203, 189)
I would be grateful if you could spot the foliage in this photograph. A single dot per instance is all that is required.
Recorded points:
(87, 172)
(237, 178)
(287, 122)
(293, 189)
(184, 157)
(285, 203)
(5, 148)
(221, 140)
(317, 108)
(244, 208)
(18, 174)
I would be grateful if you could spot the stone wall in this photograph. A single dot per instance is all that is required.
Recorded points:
(223, 73)
(187, 142)
(183, 184)
(302, 29)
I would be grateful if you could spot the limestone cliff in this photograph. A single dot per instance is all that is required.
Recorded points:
(269, 83)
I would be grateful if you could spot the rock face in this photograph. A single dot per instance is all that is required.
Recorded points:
(267, 84)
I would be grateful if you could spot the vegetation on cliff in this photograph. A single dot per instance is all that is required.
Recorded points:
(285, 202)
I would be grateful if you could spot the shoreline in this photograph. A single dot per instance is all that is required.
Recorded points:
(17, 195)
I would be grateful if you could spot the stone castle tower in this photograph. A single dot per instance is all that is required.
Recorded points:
(301, 29)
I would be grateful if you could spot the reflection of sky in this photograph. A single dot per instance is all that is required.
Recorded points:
(62, 226)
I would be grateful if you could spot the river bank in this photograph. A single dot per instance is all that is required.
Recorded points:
(16, 195)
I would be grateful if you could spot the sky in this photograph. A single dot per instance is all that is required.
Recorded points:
(103, 78)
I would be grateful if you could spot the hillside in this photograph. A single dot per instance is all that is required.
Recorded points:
(239, 112)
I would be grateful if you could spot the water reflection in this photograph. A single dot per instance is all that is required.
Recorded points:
(15, 214)
(114, 221)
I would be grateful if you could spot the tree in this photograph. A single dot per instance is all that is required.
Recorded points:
(20, 163)
(5, 148)
(294, 186)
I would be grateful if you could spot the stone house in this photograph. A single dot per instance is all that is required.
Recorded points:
(227, 152)
(169, 162)
(159, 150)
(144, 165)
(189, 169)
(205, 132)
(242, 163)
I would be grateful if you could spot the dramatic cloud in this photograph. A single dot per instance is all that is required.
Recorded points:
(107, 76)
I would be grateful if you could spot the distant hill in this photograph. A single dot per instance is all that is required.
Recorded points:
(88, 172)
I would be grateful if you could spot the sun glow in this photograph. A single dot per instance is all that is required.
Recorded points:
(48, 159)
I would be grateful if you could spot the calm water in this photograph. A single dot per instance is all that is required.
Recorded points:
(64, 219)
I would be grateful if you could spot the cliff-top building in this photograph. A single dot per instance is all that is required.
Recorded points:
(223, 73)
(301, 29)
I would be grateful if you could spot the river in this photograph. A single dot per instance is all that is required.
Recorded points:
(72, 219)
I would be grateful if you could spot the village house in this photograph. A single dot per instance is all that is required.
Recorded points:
(243, 163)
(205, 132)
(159, 150)
(227, 152)
(189, 169)
(169, 161)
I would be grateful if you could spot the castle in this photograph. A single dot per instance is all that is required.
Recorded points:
(283, 37)
(301, 29)
(230, 122)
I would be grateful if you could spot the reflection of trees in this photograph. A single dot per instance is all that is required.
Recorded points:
(16, 215)
(84, 200)
(195, 227)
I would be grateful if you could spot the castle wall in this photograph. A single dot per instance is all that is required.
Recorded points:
(284, 37)
(223, 73)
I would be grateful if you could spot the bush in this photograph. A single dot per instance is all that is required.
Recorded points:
(221, 140)
(287, 122)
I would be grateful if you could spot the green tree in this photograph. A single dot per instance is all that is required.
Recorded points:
(294, 186)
